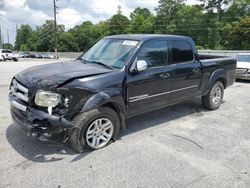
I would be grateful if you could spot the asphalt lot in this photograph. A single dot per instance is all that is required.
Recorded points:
(179, 146)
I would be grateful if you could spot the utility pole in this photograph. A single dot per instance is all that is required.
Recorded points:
(55, 25)
(8, 36)
(1, 40)
(17, 38)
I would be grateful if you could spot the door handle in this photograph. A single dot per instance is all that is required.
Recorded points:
(196, 70)
(165, 75)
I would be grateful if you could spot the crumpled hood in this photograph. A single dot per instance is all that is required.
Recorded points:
(54, 74)
(245, 65)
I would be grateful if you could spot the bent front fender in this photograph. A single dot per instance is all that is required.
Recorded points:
(112, 97)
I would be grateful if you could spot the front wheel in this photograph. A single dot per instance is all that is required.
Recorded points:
(95, 130)
(213, 99)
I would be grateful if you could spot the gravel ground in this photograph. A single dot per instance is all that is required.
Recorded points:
(179, 146)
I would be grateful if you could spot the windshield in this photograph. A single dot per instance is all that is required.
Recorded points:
(111, 52)
(243, 58)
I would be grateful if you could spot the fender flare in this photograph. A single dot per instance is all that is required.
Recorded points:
(216, 75)
(103, 98)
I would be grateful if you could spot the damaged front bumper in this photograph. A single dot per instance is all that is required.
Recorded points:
(36, 123)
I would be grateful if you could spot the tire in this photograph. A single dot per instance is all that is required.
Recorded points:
(213, 99)
(4, 58)
(87, 123)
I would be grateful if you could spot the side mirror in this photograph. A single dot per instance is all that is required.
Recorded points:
(141, 65)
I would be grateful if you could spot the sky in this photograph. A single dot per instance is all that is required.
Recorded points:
(71, 12)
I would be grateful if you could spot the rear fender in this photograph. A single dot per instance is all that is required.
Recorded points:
(216, 75)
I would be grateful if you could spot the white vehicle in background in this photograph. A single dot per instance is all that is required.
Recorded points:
(243, 66)
(7, 54)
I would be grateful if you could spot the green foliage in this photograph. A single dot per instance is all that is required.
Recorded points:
(8, 46)
(240, 34)
(215, 5)
(118, 24)
(23, 35)
(67, 43)
(165, 14)
(217, 24)
(142, 21)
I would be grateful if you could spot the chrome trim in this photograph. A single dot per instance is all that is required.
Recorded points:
(148, 96)
(18, 105)
(184, 88)
(19, 95)
(20, 87)
(132, 99)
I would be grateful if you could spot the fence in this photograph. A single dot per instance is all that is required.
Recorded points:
(74, 55)
(222, 52)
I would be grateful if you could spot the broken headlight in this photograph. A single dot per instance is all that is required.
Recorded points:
(47, 99)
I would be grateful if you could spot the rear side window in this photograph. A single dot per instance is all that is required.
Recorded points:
(154, 53)
(182, 52)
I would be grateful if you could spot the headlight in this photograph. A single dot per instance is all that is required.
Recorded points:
(47, 99)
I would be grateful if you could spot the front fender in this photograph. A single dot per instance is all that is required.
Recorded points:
(112, 96)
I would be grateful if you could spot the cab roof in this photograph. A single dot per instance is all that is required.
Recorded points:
(144, 37)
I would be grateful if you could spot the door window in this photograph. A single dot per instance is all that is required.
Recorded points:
(182, 52)
(154, 53)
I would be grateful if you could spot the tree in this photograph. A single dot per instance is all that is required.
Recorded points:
(165, 14)
(168, 8)
(66, 43)
(189, 22)
(201, 23)
(239, 9)
(8, 46)
(118, 24)
(84, 35)
(240, 34)
(46, 35)
(142, 21)
(215, 5)
(23, 35)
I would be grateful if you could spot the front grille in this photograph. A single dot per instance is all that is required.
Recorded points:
(241, 71)
(21, 93)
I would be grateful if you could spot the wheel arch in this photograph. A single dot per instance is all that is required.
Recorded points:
(107, 99)
(218, 75)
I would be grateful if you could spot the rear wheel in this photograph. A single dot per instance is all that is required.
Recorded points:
(96, 129)
(213, 99)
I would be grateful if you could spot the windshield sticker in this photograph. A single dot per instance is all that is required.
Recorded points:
(130, 43)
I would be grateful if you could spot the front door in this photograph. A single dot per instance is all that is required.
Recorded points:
(151, 88)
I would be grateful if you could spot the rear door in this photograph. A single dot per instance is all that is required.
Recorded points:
(151, 88)
(187, 71)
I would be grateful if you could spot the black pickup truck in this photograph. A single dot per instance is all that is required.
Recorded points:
(121, 76)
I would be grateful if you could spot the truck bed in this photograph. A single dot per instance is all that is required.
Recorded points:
(212, 65)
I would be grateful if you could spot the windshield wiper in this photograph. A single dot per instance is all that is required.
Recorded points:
(95, 62)
(81, 59)
(103, 64)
